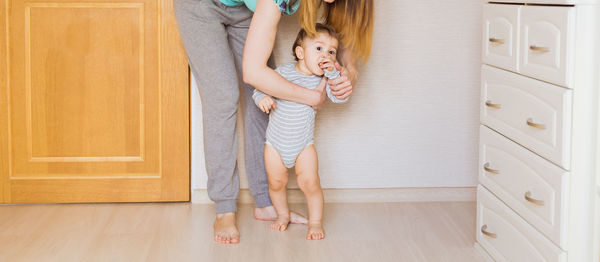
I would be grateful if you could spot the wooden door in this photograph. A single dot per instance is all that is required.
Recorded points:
(94, 102)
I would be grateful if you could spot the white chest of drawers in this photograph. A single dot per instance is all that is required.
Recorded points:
(539, 152)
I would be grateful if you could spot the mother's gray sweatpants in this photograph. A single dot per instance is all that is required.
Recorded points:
(213, 36)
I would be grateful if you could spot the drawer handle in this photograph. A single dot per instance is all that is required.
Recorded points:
(533, 200)
(489, 234)
(536, 125)
(496, 40)
(539, 49)
(487, 168)
(489, 103)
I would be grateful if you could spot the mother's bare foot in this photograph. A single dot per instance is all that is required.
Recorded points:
(315, 231)
(269, 214)
(226, 231)
(281, 223)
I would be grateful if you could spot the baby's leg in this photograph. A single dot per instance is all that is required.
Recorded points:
(277, 175)
(309, 182)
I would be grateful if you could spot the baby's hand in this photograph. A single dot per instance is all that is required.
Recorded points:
(327, 64)
(266, 104)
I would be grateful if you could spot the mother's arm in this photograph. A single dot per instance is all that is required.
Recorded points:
(258, 48)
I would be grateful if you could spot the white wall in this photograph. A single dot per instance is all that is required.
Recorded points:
(413, 117)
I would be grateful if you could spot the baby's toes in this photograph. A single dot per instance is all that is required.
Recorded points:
(220, 238)
(233, 239)
(283, 227)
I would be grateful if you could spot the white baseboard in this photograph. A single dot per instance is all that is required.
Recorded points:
(366, 195)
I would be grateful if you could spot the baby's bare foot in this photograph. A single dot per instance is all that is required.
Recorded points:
(296, 218)
(269, 214)
(315, 231)
(281, 223)
(226, 231)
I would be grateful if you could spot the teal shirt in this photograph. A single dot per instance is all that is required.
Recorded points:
(283, 5)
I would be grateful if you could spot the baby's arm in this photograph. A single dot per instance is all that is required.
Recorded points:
(257, 95)
(333, 74)
(263, 101)
(333, 98)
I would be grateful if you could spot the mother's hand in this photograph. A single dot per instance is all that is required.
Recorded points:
(342, 86)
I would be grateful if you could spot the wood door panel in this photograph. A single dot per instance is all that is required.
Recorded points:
(96, 99)
(106, 79)
(104, 108)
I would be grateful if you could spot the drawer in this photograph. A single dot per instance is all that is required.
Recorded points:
(501, 35)
(533, 187)
(532, 113)
(546, 43)
(507, 237)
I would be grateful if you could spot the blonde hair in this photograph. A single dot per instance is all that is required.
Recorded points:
(351, 19)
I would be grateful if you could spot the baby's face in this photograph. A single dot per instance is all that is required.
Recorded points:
(320, 52)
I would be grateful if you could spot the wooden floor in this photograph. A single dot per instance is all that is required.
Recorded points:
(439, 231)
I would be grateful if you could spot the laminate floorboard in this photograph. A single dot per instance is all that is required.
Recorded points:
(430, 231)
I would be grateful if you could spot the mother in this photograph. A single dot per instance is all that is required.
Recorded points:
(214, 33)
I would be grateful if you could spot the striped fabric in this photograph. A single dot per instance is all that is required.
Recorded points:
(291, 125)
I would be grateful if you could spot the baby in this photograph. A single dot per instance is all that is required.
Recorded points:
(291, 128)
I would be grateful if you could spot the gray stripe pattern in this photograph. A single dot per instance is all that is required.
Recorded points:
(291, 125)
